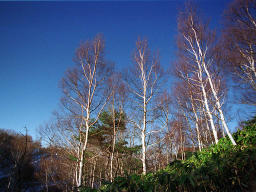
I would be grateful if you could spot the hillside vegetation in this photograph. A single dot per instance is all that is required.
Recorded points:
(221, 167)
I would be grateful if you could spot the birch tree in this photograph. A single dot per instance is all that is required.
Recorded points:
(188, 103)
(85, 93)
(142, 83)
(196, 42)
(118, 121)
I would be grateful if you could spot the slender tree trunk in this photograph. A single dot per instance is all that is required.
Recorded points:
(199, 58)
(105, 172)
(143, 152)
(197, 127)
(100, 177)
(121, 168)
(189, 127)
(76, 174)
(78, 155)
(205, 101)
(81, 163)
(176, 154)
(143, 133)
(114, 139)
(168, 134)
(167, 155)
(223, 132)
(93, 173)
(184, 154)
(148, 74)
(117, 172)
(90, 175)
(168, 143)
(222, 118)
(208, 128)
(80, 169)
(111, 163)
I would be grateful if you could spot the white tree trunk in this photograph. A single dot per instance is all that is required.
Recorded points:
(205, 101)
(143, 150)
(114, 139)
(81, 162)
(199, 55)
(111, 163)
(79, 182)
(197, 127)
(218, 105)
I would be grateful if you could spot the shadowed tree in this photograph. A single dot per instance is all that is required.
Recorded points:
(17, 153)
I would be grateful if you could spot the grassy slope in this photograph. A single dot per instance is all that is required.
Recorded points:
(221, 167)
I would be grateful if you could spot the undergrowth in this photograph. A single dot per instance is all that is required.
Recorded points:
(221, 167)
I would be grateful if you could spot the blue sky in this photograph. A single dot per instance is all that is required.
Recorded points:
(38, 40)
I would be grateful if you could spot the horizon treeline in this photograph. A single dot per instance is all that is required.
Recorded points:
(113, 123)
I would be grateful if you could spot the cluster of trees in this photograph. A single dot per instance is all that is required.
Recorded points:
(220, 167)
(17, 152)
(26, 166)
(114, 123)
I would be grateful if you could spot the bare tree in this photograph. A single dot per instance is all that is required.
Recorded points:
(17, 154)
(196, 42)
(163, 114)
(60, 135)
(19, 158)
(56, 169)
(240, 45)
(188, 104)
(85, 93)
(117, 105)
(142, 83)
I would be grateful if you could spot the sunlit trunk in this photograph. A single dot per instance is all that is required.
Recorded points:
(143, 151)
(81, 163)
(199, 54)
(143, 135)
(205, 101)
(218, 105)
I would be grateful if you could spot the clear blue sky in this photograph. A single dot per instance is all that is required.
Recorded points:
(38, 40)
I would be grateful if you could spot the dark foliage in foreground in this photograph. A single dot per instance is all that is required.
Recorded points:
(17, 154)
(221, 167)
